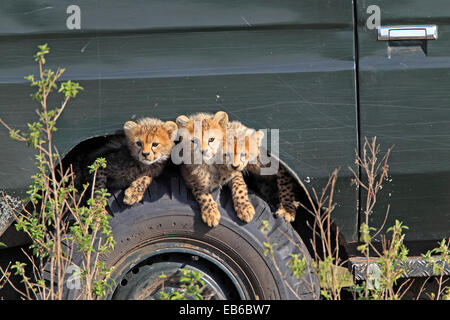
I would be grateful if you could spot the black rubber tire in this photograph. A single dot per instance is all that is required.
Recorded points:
(168, 212)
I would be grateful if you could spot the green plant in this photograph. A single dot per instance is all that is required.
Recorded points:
(328, 264)
(56, 221)
(390, 265)
(192, 286)
(374, 171)
(385, 266)
(438, 258)
(297, 266)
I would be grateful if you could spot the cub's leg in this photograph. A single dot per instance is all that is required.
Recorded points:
(287, 205)
(244, 208)
(208, 207)
(135, 192)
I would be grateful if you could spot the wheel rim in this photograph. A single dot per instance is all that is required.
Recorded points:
(138, 274)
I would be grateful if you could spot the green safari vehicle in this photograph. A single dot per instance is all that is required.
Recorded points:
(326, 74)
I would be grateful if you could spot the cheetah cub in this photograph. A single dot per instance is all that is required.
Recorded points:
(141, 159)
(243, 153)
(205, 135)
(240, 148)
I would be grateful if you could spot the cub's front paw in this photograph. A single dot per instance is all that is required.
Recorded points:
(288, 215)
(211, 215)
(132, 196)
(245, 212)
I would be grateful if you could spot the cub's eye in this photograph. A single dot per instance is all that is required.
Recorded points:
(243, 154)
(194, 141)
(211, 139)
(139, 144)
(155, 144)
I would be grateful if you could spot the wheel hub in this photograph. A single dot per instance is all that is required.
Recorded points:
(160, 273)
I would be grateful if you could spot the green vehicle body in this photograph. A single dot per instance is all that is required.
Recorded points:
(310, 68)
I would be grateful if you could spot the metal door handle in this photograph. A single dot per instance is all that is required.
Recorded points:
(408, 32)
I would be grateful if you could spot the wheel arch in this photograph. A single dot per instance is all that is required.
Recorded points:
(92, 147)
(304, 220)
(8, 233)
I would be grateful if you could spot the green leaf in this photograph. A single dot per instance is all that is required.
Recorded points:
(70, 89)
(265, 227)
(269, 248)
(40, 55)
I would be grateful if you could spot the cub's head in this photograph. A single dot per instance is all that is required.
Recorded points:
(205, 132)
(242, 147)
(150, 140)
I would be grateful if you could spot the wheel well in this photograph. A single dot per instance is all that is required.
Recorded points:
(84, 153)
(80, 155)
(304, 222)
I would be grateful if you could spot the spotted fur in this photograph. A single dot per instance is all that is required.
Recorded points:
(243, 153)
(242, 145)
(140, 159)
(202, 178)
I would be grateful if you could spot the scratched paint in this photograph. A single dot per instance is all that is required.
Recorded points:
(282, 65)
(405, 101)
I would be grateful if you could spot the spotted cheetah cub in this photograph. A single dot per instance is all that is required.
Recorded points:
(244, 153)
(141, 159)
(241, 147)
(205, 134)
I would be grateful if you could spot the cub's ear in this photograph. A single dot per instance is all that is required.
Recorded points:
(259, 136)
(171, 128)
(129, 126)
(222, 118)
(182, 121)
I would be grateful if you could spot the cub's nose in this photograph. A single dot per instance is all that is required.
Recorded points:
(145, 154)
(234, 166)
